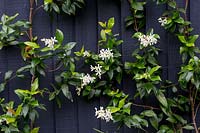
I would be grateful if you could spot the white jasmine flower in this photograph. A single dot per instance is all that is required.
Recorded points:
(86, 54)
(87, 79)
(147, 40)
(162, 21)
(105, 54)
(103, 114)
(108, 115)
(78, 89)
(49, 42)
(97, 70)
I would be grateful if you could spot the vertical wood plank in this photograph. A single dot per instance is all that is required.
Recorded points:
(86, 34)
(106, 10)
(66, 116)
(153, 12)
(194, 12)
(13, 53)
(3, 59)
(128, 47)
(42, 28)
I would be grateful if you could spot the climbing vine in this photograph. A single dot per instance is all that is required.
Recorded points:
(106, 71)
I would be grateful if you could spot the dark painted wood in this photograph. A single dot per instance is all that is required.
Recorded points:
(106, 10)
(44, 30)
(194, 13)
(78, 117)
(127, 48)
(86, 23)
(3, 58)
(67, 117)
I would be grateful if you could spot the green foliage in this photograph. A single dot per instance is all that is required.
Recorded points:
(106, 72)
(26, 111)
(66, 6)
(111, 68)
(137, 19)
(7, 77)
(11, 30)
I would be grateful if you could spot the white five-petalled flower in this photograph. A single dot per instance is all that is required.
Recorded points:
(49, 42)
(87, 79)
(162, 21)
(105, 54)
(147, 40)
(97, 70)
(86, 54)
(103, 114)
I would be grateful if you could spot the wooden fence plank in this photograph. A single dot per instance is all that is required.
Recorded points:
(66, 116)
(86, 34)
(195, 19)
(3, 60)
(42, 28)
(128, 47)
(78, 117)
(13, 53)
(106, 10)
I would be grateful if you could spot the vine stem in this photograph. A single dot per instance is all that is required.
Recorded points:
(31, 19)
(135, 26)
(39, 7)
(192, 103)
(145, 106)
(31, 38)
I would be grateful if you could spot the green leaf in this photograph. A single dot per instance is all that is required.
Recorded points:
(103, 35)
(48, 1)
(102, 24)
(182, 39)
(193, 38)
(111, 23)
(189, 76)
(122, 102)
(155, 78)
(2, 87)
(32, 44)
(55, 7)
(8, 75)
(190, 44)
(35, 130)
(25, 110)
(154, 122)
(148, 113)
(59, 36)
(137, 5)
(162, 99)
(188, 127)
(114, 109)
(66, 92)
(18, 111)
(35, 85)
(72, 67)
(154, 69)
(172, 4)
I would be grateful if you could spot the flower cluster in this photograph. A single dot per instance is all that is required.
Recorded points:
(97, 70)
(87, 79)
(103, 114)
(162, 21)
(49, 42)
(105, 54)
(147, 40)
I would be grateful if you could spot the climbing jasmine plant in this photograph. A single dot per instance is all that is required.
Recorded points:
(104, 71)
(69, 7)
(105, 67)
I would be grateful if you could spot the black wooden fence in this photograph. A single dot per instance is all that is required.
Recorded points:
(78, 117)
